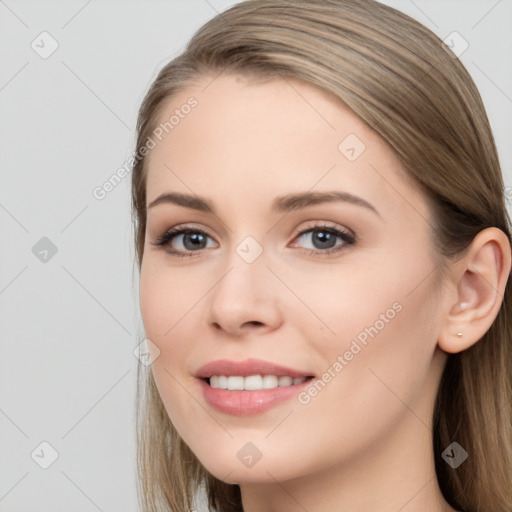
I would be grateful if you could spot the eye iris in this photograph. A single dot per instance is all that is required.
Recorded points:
(196, 239)
(324, 238)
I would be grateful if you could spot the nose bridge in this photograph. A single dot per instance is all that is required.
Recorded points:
(246, 274)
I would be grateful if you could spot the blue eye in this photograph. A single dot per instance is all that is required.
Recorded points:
(324, 239)
(192, 240)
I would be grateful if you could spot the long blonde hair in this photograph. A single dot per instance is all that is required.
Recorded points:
(396, 75)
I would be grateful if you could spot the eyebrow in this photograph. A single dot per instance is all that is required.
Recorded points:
(281, 204)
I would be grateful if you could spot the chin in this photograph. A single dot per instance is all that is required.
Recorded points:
(230, 468)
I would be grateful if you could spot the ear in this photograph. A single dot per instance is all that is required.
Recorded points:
(479, 279)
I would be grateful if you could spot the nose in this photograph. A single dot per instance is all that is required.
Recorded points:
(245, 299)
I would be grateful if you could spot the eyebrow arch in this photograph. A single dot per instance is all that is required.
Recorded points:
(281, 204)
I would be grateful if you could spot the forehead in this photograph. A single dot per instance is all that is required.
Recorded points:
(265, 139)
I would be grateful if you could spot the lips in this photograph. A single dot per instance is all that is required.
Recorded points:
(247, 402)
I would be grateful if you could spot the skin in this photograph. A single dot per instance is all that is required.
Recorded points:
(364, 442)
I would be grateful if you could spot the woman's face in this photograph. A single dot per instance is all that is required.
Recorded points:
(277, 271)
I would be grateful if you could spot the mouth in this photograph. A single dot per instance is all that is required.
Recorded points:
(253, 386)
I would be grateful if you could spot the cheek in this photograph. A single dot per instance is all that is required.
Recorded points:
(166, 297)
(350, 301)
(380, 339)
(169, 304)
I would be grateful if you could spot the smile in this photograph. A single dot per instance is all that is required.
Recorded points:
(249, 387)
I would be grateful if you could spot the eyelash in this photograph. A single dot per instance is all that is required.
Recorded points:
(347, 237)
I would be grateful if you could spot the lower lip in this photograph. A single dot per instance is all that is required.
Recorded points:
(248, 403)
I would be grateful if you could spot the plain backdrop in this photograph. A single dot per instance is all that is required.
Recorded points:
(69, 314)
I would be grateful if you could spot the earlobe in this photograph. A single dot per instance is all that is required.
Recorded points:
(480, 278)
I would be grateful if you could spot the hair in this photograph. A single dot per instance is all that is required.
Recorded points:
(398, 77)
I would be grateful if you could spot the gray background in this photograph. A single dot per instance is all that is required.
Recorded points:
(70, 323)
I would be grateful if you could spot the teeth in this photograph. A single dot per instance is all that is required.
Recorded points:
(270, 382)
(253, 382)
(285, 381)
(235, 383)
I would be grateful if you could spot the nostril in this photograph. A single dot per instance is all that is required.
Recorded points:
(218, 327)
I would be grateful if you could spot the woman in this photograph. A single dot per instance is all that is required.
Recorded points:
(324, 255)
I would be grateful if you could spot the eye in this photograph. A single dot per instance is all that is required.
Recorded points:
(325, 239)
(183, 241)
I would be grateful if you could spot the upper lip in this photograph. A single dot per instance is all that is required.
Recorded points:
(247, 367)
